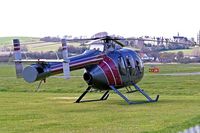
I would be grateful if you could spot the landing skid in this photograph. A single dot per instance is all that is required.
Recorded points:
(104, 97)
(149, 99)
(39, 85)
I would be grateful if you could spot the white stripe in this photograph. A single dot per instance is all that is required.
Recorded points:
(111, 72)
(17, 47)
(58, 68)
(64, 47)
(117, 69)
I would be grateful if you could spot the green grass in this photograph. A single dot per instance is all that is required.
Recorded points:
(7, 75)
(173, 68)
(56, 112)
(44, 47)
(52, 109)
(185, 51)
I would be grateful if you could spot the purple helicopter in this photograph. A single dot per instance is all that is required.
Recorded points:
(108, 65)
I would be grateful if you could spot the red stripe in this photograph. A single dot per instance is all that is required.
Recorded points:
(115, 70)
(57, 71)
(107, 72)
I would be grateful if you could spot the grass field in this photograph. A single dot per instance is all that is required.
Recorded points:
(8, 40)
(185, 51)
(52, 109)
(36, 47)
(49, 46)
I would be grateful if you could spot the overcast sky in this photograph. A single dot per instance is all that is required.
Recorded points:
(86, 17)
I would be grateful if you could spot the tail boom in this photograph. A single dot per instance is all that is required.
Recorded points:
(41, 71)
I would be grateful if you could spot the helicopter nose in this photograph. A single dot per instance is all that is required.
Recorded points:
(96, 78)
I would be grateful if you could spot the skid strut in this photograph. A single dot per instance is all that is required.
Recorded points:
(104, 97)
(39, 85)
(149, 99)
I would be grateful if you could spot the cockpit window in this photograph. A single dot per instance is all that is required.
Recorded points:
(99, 47)
(131, 60)
(139, 64)
(122, 67)
(130, 64)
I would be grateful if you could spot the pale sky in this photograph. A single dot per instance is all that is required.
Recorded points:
(85, 17)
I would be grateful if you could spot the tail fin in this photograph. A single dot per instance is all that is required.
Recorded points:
(18, 57)
(66, 69)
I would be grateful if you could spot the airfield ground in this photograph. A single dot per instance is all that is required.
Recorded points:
(52, 109)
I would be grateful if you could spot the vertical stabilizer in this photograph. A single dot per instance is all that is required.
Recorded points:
(66, 69)
(18, 57)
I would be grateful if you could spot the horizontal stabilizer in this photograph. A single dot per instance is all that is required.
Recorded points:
(39, 60)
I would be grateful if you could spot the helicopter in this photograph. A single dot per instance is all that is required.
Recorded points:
(108, 65)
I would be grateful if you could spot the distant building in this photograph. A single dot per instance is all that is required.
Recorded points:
(181, 39)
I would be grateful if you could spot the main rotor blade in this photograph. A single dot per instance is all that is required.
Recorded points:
(92, 41)
(118, 42)
(155, 40)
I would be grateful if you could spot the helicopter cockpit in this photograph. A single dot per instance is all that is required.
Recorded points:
(104, 46)
(98, 46)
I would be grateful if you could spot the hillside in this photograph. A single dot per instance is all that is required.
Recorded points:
(8, 40)
(34, 44)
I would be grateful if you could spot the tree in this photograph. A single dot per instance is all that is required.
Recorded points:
(196, 52)
(179, 56)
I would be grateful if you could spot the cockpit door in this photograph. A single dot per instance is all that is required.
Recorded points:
(130, 67)
(127, 68)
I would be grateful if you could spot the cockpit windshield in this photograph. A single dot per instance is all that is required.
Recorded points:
(99, 47)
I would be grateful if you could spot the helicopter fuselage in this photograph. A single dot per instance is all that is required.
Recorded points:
(118, 68)
(107, 67)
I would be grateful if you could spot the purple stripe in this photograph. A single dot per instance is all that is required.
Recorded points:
(83, 59)
(88, 61)
(79, 64)
(56, 66)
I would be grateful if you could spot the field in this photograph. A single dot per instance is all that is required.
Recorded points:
(53, 108)
(8, 40)
(193, 51)
(48, 46)
(185, 51)
(33, 47)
